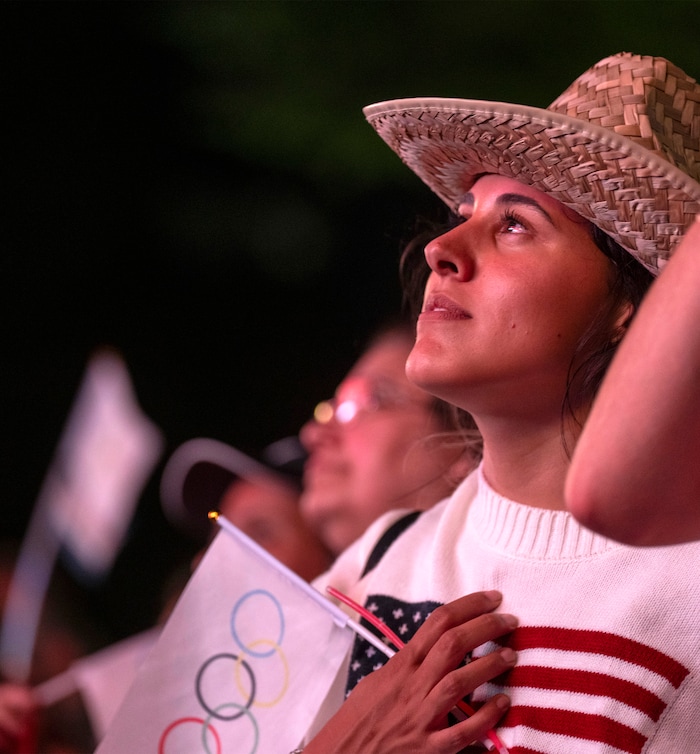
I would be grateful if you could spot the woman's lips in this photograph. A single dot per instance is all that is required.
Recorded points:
(441, 307)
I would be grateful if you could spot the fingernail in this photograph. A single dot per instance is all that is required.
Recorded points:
(509, 620)
(509, 655)
(502, 701)
(493, 595)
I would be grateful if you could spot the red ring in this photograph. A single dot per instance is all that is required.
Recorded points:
(161, 743)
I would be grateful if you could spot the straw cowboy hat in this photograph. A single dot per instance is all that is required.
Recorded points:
(621, 146)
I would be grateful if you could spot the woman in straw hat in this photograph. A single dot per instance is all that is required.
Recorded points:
(563, 218)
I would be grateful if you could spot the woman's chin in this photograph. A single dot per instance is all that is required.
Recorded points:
(423, 369)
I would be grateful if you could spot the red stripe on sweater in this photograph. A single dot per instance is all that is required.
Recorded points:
(577, 725)
(602, 643)
(586, 682)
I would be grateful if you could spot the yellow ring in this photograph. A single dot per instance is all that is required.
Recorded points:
(285, 684)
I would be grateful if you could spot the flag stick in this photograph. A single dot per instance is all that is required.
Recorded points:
(56, 688)
(340, 618)
(29, 584)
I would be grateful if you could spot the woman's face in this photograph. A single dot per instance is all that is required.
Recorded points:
(511, 291)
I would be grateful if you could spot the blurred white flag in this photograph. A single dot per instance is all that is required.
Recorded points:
(104, 678)
(104, 457)
(242, 665)
(107, 452)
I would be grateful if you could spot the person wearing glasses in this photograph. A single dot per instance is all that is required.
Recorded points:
(380, 443)
(563, 218)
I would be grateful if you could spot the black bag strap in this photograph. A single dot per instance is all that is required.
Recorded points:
(385, 541)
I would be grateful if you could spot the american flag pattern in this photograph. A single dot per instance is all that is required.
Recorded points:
(403, 619)
(572, 690)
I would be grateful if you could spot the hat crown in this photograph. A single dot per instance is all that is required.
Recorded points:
(643, 98)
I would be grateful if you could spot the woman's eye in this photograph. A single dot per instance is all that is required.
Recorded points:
(512, 224)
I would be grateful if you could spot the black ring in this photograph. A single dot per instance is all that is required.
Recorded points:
(198, 691)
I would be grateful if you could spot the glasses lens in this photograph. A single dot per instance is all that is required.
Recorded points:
(358, 396)
(347, 410)
(323, 412)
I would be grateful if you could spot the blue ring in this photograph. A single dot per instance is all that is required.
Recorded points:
(234, 633)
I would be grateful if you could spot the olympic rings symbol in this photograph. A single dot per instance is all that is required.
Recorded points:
(255, 608)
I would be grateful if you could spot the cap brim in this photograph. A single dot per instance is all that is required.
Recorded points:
(196, 476)
(605, 177)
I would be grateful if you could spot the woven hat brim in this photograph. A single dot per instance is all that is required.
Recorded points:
(643, 201)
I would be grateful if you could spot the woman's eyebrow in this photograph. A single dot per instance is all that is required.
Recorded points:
(468, 199)
(510, 199)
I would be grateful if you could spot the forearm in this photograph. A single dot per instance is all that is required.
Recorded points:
(634, 474)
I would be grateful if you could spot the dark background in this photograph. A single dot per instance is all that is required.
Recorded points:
(194, 184)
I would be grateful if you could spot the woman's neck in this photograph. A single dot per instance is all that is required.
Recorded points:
(525, 463)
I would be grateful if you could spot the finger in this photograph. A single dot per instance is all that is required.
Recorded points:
(16, 704)
(475, 728)
(454, 645)
(450, 615)
(12, 722)
(452, 648)
(461, 682)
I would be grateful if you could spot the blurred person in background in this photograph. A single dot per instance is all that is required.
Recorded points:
(259, 496)
(380, 443)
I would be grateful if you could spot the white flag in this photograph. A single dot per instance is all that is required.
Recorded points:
(242, 665)
(105, 456)
(104, 678)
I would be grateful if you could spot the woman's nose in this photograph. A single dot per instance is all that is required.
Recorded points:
(312, 434)
(450, 253)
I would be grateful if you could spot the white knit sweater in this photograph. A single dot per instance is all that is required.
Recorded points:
(608, 641)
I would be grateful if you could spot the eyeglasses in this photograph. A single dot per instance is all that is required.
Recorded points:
(360, 396)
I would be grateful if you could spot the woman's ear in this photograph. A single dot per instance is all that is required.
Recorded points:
(462, 467)
(622, 322)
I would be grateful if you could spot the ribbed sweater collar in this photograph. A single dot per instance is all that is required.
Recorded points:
(528, 532)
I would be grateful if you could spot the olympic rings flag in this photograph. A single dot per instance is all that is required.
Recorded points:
(242, 665)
